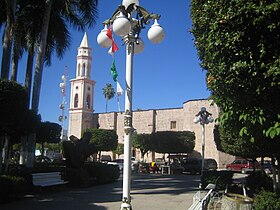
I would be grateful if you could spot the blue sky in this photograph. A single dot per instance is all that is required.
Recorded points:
(165, 75)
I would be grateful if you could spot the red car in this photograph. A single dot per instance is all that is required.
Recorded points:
(242, 165)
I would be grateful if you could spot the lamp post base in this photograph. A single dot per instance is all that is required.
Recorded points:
(126, 206)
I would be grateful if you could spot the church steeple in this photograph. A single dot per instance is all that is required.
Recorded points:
(82, 92)
(84, 59)
(84, 42)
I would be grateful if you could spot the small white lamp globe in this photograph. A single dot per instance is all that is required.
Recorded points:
(121, 25)
(102, 39)
(156, 33)
(62, 85)
(63, 77)
(139, 47)
(126, 3)
(196, 120)
(210, 119)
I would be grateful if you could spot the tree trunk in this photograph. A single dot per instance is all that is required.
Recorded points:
(28, 74)
(274, 174)
(278, 174)
(42, 149)
(5, 150)
(106, 105)
(38, 76)
(142, 155)
(39, 65)
(1, 152)
(15, 64)
(8, 37)
(30, 150)
(8, 149)
(23, 150)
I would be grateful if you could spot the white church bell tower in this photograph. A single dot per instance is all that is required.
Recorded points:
(82, 90)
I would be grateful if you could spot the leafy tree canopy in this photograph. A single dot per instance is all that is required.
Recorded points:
(104, 140)
(173, 142)
(48, 132)
(235, 145)
(142, 142)
(119, 150)
(13, 106)
(238, 44)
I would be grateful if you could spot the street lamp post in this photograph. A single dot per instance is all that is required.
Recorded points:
(128, 21)
(203, 117)
(62, 117)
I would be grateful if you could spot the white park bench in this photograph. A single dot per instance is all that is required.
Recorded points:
(47, 179)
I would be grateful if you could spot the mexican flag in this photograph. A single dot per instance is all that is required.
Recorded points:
(114, 46)
(114, 72)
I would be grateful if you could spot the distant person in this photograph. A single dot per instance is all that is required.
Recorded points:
(154, 167)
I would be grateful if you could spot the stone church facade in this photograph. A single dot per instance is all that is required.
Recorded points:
(81, 115)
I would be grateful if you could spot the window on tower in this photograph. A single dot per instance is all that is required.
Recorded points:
(88, 102)
(173, 125)
(84, 70)
(76, 101)
(79, 70)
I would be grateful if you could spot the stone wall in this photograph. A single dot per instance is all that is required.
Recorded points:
(176, 119)
(79, 120)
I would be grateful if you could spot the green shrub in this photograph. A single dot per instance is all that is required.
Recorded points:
(11, 187)
(259, 181)
(92, 173)
(220, 178)
(267, 200)
(103, 173)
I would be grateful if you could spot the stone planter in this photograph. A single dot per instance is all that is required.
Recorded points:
(232, 201)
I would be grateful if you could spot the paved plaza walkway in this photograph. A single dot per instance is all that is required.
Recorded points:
(149, 192)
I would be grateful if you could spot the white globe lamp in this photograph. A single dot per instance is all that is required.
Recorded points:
(126, 3)
(156, 33)
(62, 85)
(139, 46)
(63, 77)
(102, 39)
(196, 119)
(121, 25)
(210, 119)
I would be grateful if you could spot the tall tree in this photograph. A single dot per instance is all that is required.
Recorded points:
(8, 36)
(41, 56)
(173, 141)
(119, 150)
(165, 142)
(104, 140)
(79, 14)
(108, 93)
(13, 111)
(238, 44)
(48, 132)
(142, 142)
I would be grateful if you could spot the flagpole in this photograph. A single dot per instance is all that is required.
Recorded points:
(118, 101)
(119, 93)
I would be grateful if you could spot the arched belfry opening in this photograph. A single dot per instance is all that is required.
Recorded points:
(83, 70)
(88, 102)
(76, 100)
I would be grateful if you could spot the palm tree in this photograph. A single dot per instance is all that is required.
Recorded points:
(8, 37)
(79, 13)
(109, 93)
